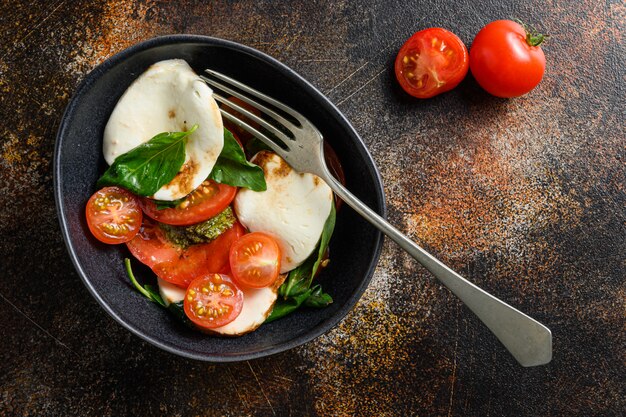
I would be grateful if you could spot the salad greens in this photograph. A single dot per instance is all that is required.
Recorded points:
(297, 290)
(147, 290)
(177, 309)
(146, 168)
(233, 168)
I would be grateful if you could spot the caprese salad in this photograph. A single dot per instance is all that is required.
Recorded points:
(234, 239)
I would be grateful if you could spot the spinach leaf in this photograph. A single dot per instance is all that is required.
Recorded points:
(288, 306)
(146, 168)
(297, 280)
(233, 168)
(296, 290)
(327, 232)
(256, 145)
(318, 299)
(146, 290)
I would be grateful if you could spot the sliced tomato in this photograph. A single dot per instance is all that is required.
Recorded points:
(206, 201)
(181, 266)
(431, 62)
(113, 215)
(255, 260)
(213, 300)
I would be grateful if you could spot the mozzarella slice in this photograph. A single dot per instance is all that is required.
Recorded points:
(168, 97)
(293, 209)
(170, 293)
(257, 305)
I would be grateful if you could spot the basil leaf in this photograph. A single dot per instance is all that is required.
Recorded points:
(318, 299)
(146, 290)
(233, 168)
(146, 168)
(256, 145)
(285, 307)
(327, 232)
(296, 290)
(152, 294)
(297, 280)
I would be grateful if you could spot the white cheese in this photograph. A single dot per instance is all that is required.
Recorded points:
(257, 305)
(168, 97)
(293, 209)
(170, 293)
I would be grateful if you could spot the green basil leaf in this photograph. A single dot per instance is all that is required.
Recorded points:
(298, 279)
(146, 290)
(318, 298)
(285, 307)
(146, 168)
(327, 232)
(256, 145)
(233, 168)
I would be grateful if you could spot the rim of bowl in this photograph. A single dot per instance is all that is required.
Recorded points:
(322, 327)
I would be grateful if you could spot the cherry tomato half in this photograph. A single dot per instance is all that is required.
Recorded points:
(431, 62)
(213, 300)
(206, 201)
(506, 60)
(181, 266)
(255, 260)
(113, 215)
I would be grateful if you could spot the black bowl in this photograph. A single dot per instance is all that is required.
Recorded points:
(78, 162)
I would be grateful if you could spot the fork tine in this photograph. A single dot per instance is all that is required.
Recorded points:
(253, 116)
(248, 100)
(258, 94)
(275, 147)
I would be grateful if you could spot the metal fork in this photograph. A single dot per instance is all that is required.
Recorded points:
(529, 341)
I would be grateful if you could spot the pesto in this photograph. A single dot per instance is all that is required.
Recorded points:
(185, 236)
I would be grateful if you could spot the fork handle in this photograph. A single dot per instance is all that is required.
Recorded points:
(529, 341)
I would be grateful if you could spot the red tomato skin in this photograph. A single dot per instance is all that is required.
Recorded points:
(449, 76)
(178, 266)
(121, 209)
(206, 299)
(503, 63)
(194, 213)
(246, 257)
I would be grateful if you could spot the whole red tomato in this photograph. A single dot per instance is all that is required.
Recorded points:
(431, 62)
(506, 59)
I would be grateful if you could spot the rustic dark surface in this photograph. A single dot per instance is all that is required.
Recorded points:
(526, 197)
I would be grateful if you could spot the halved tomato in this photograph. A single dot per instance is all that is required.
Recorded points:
(113, 215)
(431, 62)
(206, 201)
(213, 300)
(181, 266)
(255, 260)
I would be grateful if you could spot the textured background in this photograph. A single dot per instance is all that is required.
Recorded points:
(525, 197)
